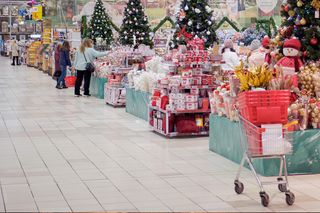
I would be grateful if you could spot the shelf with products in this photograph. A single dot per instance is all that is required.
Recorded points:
(32, 53)
(179, 123)
(115, 96)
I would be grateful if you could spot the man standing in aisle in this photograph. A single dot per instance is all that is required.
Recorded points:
(15, 53)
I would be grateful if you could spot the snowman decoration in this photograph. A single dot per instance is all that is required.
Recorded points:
(291, 62)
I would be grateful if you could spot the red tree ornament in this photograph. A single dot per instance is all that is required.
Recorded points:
(287, 8)
(314, 41)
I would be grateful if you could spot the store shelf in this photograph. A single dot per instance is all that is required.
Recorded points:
(180, 111)
(187, 87)
(20, 33)
(177, 134)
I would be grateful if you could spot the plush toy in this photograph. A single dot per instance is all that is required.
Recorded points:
(266, 49)
(291, 62)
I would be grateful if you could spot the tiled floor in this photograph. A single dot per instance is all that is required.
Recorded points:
(60, 153)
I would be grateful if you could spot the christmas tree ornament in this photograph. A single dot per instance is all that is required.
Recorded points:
(186, 8)
(210, 22)
(291, 13)
(287, 8)
(189, 23)
(208, 32)
(314, 41)
(197, 11)
(303, 21)
(299, 3)
(208, 9)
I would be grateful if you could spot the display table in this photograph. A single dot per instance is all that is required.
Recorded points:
(97, 86)
(224, 140)
(137, 103)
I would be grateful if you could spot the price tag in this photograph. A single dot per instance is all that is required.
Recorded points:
(317, 14)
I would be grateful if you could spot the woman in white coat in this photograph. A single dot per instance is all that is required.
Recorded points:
(15, 53)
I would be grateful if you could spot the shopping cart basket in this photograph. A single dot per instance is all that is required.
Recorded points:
(268, 142)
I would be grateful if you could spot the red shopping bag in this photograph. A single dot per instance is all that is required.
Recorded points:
(70, 81)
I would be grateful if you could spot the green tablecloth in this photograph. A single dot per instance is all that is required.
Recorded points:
(97, 86)
(137, 103)
(224, 140)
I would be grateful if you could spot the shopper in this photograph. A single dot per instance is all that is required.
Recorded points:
(86, 54)
(229, 56)
(57, 67)
(15, 53)
(64, 63)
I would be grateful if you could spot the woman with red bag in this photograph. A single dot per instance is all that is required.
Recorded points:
(57, 71)
(64, 63)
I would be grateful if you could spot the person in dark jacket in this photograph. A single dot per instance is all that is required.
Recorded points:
(57, 67)
(64, 63)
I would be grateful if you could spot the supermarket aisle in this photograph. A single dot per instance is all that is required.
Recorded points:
(60, 153)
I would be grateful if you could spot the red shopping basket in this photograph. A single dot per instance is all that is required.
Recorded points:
(70, 81)
(265, 107)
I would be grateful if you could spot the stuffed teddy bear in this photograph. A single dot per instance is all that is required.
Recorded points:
(291, 62)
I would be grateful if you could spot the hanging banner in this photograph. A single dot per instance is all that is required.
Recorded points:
(37, 13)
(267, 6)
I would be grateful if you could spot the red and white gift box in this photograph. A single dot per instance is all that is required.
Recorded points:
(170, 107)
(197, 80)
(186, 73)
(181, 107)
(194, 91)
(191, 98)
(187, 81)
(192, 105)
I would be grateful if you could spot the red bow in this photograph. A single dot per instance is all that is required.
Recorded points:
(185, 34)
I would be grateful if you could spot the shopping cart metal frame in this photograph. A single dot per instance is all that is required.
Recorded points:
(249, 156)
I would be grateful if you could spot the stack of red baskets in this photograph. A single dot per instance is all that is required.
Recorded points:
(263, 107)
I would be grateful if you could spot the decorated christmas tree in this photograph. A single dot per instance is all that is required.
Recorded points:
(135, 28)
(195, 19)
(100, 26)
(300, 19)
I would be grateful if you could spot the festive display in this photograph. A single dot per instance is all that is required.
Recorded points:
(100, 26)
(301, 19)
(195, 18)
(135, 28)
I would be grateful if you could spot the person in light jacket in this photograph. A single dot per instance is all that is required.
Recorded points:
(15, 53)
(86, 54)
(229, 56)
(65, 62)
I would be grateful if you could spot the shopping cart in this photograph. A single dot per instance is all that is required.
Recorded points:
(268, 142)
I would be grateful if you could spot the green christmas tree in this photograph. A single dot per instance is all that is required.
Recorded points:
(135, 28)
(100, 26)
(300, 18)
(84, 27)
(195, 18)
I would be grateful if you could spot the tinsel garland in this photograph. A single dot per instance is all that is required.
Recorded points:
(167, 18)
(226, 19)
(267, 26)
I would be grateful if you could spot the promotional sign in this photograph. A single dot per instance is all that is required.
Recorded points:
(267, 6)
(37, 13)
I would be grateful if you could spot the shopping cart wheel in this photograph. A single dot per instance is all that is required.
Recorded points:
(238, 187)
(264, 199)
(290, 198)
(282, 186)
